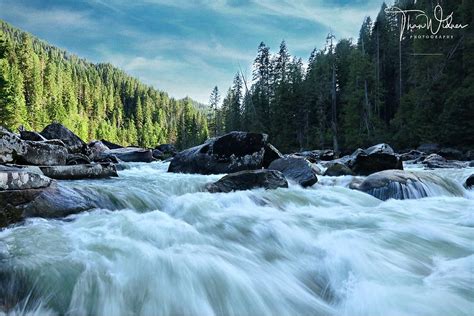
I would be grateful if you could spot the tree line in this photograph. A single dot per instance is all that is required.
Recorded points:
(40, 84)
(356, 93)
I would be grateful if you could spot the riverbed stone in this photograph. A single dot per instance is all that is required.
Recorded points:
(247, 180)
(295, 168)
(72, 141)
(83, 171)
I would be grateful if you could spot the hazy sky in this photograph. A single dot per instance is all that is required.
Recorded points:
(186, 47)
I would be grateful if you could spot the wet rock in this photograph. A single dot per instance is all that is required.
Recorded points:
(413, 155)
(400, 184)
(72, 141)
(297, 169)
(76, 172)
(26, 194)
(336, 169)
(373, 159)
(318, 155)
(235, 151)
(158, 154)
(434, 161)
(469, 183)
(129, 154)
(247, 180)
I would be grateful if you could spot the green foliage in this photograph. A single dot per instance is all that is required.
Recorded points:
(383, 91)
(40, 83)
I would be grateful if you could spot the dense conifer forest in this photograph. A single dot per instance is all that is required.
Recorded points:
(355, 93)
(40, 84)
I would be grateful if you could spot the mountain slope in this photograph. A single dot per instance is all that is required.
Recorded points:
(40, 83)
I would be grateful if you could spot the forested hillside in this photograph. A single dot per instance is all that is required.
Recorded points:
(355, 93)
(40, 83)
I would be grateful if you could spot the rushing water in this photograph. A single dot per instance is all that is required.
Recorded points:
(161, 246)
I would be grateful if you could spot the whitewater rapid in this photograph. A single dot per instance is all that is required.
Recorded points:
(162, 246)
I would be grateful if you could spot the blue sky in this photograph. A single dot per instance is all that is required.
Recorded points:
(185, 47)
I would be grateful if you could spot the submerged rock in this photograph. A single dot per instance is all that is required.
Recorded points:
(26, 194)
(235, 151)
(336, 169)
(247, 180)
(400, 185)
(83, 171)
(373, 159)
(72, 141)
(297, 169)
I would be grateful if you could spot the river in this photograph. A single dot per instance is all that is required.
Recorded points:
(161, 246)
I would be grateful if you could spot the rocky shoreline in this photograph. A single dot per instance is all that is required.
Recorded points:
(31, 164)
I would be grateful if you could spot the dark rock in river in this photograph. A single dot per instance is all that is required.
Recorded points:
(110, 145)
(336, 169)
(271, 154)
(413, 155)
(318, 155)
(11, 146)
(129, 154)
(297, 169)
(429, 148)
(43, 153)
(77, 159)
(399, 184)
(76, 172)
(27, 194)
(451, 154)
(249, 179)
(469, 182)
(96, 149)
(34, 136)
(235, 151)
(373, 159)
(158, 154)
(167, 151)
(436, 161)
(72, 141)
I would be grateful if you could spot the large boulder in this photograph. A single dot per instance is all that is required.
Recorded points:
(373, 159)
(72, 141)
(247, 180)
(28, 194)
(435, 161)
(297, 169)
(96, 149)
(271, 154)
(400, 184)
(75, 172)
(336, 169)
(129, 154)
(235, 151)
